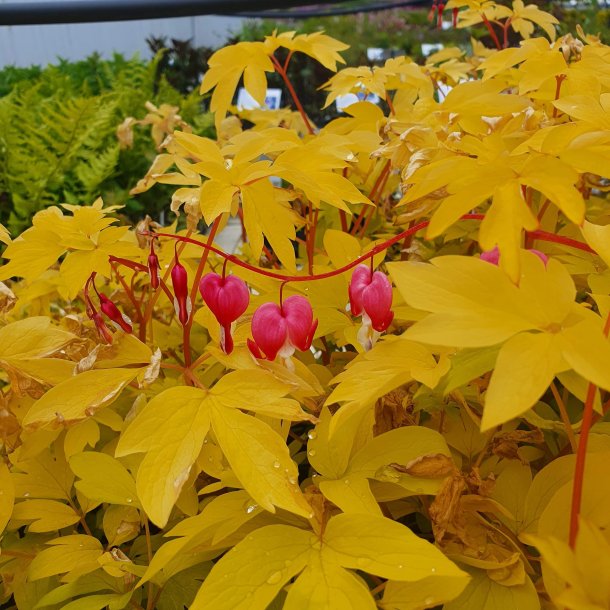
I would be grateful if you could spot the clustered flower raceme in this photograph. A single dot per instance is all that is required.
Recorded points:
(277, 330)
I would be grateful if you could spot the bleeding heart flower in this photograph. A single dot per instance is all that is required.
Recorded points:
(493, 256)
(227, 298)
(282, 329)
(370, 295)
(112, 311)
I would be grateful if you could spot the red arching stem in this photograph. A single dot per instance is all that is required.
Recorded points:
(541, 235)
(295, 98)
(581, 455)
(505, 28)
(491, 31)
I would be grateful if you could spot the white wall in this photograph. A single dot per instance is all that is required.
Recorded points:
(24, 45)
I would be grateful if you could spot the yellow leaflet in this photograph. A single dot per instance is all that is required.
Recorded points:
(285, 549)
(483, 592)
(554, 520)
(45, 515)
(426, 593)
(226, 67)
(258, 391)
(578, 578)
(103, 478)
(171, 429)
(78, 398)
(73, 555)
(598, 237)
(318, 45)
(368, 543)
(260, 459)
(374, 373)
(326, 586)
(350, 490)
(526, 365)
(32, 338)
(45, 476)
(7, 496)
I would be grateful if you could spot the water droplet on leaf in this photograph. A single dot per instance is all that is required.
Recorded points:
(312, 435)
(274, 578)
(251, 508)
(311, 452)
(276, 464)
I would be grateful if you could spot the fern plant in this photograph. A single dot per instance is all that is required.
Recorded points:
(58, 141)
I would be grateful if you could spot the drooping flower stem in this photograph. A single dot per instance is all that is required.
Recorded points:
(186, 331)
(541, 235)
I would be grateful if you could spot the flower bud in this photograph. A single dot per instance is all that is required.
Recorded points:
(112, 311)
(153, 267)
(182, 301)
(227, 298)
(282, 329)
(101, 327)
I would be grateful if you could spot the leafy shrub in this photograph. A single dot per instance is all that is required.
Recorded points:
(441, 441)
(58, 138)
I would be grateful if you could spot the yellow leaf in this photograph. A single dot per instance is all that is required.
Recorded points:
(585, 348)
(267, 213)
(46, 515)
(226, 68)
(483, 592)
(257, 391)
(386, 366)
(327, 586)
(526, 365)
(34, 337)
(260, 459)
(44, 476)
(7, 495)
(428, 592)
(81, 435)
(74, 555)
(285, 550)
(103, 478)
(351, 492)
(383, 547)
(78, 398)
(473, 303)
(171, 430)
(341, 247)
(598, 237)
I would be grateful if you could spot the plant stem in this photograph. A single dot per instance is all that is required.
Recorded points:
(542, 235)
(581, 455)
(149, 553)
(295, 98)
(186, 331)
(564, 418)
(491, 31)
